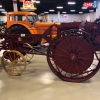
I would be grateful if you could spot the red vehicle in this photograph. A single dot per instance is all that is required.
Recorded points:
(72, 54)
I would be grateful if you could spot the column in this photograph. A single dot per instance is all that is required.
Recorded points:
(58, 16)
(15, 5)
(98, 10)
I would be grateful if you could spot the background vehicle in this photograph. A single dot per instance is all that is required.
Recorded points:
(27, 23)
(70, 55)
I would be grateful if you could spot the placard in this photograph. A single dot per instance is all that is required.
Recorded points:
(64, 16)
(28, 5)
(90, 4)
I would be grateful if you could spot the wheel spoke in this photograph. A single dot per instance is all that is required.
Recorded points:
(80, 71)
(8, 67)
(28, 56)
(10, 57)
(88, 72)
(61, 55)
(83, 58)
(94, 64)
(64, 65)
(96, 56)
(82, 46)
(71, 46)
(68, 48)
(64, 51)
(73, 57)
(19, 67)
(83, 53)
(14, 55)
(63, 61)
(11, 67)
(58, 68)
(6, 56)
(16, 70)
(81, 62)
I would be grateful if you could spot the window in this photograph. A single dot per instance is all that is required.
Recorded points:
(32, 19)
(11, 18)
(19, 18)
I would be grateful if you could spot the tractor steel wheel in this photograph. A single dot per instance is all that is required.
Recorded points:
(28, 56)
(73, 59)
(25, 49)
(11, 62)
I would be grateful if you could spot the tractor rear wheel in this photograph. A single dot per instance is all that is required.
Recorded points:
(73, 58)
(18, 29)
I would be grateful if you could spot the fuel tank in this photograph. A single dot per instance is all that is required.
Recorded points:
(45, 24)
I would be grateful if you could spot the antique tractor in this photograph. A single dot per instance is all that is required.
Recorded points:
(27, 23)
(72, 54)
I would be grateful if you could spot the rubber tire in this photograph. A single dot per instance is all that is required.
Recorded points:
(18, 28)
(21, 29)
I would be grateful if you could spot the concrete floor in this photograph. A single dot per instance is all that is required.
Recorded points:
(38, 82)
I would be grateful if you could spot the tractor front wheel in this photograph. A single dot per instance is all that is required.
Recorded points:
(13, 62)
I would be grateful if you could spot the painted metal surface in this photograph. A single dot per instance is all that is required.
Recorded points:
(70, 54)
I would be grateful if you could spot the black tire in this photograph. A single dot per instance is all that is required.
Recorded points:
(18, 29)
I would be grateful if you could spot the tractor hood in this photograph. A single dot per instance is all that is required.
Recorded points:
(44, 24)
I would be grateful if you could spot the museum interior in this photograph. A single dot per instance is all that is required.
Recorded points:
(49, 49)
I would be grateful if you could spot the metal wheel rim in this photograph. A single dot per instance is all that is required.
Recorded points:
(27, 56)
(61, 76)
(13, 70)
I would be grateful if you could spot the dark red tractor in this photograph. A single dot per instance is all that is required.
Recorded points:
(73, 55)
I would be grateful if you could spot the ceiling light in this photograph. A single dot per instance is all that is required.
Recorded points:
(4, 12)
(42, 14)
(46, 12)
(37, 1)
(84, 7)
(51, 10)
(91, 10)
(0, 6)
(2, 9)
(80, 12)
(59, 7)
(72, 10)
(64, 12)
(71, 3)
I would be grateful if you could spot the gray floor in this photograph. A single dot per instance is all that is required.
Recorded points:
(37, 82)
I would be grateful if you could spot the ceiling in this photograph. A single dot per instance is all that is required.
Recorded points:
(46, 5)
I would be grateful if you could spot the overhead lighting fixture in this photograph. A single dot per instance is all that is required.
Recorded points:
(84, 7)
(46, 12)
(59, 7)
(2, 9)
(4, 12)
(37, 1)
(72, 10)
(80, 12)
(64, 12)
(71, 3)
(51, 10)
(0, 6)
(91, 10)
